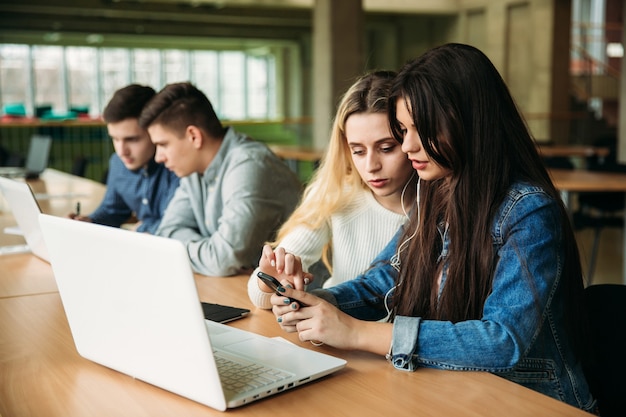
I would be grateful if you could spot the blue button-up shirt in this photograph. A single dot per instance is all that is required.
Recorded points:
(145, 193)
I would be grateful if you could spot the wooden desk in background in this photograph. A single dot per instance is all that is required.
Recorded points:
(303, 153)
(42, 374)
(297, 153)
(582, 151)
(57, 194)
(580, 180)
(293, 155)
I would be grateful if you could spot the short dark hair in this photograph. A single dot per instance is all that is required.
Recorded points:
(127, 102)
(180, 105)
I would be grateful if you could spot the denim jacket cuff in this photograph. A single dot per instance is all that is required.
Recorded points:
(404, 342)
(325, 295)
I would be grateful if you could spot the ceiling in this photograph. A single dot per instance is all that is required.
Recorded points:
(225, 23)
(386, 6)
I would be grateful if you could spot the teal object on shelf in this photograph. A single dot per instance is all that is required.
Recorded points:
(49, 115)
(42, 108)
(14, 109)
(80, 109)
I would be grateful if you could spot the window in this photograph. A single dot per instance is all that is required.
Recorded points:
(239, 85)
(176, 66)
(114, 72)
(232, 83)
(49, 81)
(145, 67)
(14, 77)
(205, 74)
(258, 84)
(81, 74)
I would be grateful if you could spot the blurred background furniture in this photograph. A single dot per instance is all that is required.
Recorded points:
(79, 167)
(599, 210)
(606, 306)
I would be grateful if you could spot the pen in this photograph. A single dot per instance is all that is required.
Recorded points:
(78, 208)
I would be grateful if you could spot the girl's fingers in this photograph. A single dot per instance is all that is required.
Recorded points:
(290, 262)
(279, 256)
(268, 255)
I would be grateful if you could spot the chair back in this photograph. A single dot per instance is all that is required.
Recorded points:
(79, 166)
(606, 306)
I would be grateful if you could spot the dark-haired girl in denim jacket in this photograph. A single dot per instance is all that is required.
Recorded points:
(486, 274)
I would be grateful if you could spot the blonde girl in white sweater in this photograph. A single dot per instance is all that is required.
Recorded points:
(358, 197)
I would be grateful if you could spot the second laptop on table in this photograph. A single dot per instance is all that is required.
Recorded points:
(25, 209)
(36, 160)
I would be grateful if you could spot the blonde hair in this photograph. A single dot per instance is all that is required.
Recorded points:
(336, 182)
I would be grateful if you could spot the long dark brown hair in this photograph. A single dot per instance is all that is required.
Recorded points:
(469, 124)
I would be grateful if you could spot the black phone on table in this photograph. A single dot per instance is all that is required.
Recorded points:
(221, 313)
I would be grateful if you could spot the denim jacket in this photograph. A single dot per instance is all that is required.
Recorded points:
(521, 334)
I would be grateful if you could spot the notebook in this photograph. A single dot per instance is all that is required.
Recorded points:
(132, 305)
(25, 210)
(36, 159)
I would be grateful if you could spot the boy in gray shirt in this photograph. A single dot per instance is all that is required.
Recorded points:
(234, 192)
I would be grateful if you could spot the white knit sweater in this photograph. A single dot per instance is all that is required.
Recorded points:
(359, 233)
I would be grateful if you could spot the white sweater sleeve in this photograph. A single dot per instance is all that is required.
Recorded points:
(258, 297)
(302, 241)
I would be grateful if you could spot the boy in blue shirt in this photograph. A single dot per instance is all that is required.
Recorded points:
(137, 186)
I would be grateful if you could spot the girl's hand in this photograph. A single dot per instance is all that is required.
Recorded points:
(315, 319)
(285, 267)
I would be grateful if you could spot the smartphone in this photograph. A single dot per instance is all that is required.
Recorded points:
(223, 314)
(273, 283)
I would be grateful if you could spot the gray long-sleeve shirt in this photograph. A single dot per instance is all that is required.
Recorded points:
(225, 215)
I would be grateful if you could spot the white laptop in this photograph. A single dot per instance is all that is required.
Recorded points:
(25, 209)
(36, 160)
(132, 305)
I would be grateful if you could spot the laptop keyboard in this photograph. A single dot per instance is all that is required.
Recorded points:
(243, 377)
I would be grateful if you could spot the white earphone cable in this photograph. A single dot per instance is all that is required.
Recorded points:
(395, 259)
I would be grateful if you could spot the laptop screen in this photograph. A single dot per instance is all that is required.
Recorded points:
(38, 154)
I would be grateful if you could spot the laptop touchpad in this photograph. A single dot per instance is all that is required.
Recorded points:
(258, 348)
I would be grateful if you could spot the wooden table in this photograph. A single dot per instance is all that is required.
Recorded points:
(57, 194)
(567, 151)
(298, 153)
(579, 180)
(293, 155)
(41, 373)
(304, 153)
